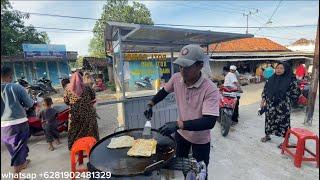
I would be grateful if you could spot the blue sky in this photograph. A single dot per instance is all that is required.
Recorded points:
(221, 13)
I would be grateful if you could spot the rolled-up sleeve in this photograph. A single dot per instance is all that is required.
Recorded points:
(211, 102)
(169, 87)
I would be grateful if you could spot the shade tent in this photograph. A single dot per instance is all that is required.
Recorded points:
(129, 43)
(149, 38)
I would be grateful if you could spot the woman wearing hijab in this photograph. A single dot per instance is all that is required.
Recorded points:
(83, 119)
(278, 94)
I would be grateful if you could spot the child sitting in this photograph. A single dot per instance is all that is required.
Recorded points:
(49, 122)
(99, 86)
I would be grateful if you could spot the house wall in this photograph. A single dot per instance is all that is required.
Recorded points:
(217, 67)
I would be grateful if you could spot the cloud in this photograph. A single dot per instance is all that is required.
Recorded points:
(175, 12)
(74, 41)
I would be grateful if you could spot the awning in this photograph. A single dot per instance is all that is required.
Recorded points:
(149, 38)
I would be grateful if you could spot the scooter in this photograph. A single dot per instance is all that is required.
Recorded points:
(22, 82)
(35, 124)
(302, 100)
(144, 83)
(33, 90)
(227, 106)
(46, 83)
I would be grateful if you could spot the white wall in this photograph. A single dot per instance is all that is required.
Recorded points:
(217, 67)
(302, 48)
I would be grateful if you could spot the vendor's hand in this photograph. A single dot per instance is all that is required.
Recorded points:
(169, 128)
(148, 112)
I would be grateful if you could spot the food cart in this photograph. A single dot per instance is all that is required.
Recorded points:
(143, 58)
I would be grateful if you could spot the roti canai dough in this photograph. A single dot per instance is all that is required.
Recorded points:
(121, 142)
(143, 148)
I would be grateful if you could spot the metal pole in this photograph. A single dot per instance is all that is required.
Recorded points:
(314, 83)
(247, 31)
(122, 88)
(171, 61)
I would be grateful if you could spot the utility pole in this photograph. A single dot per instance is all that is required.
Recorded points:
(314, 83)
(250, 13)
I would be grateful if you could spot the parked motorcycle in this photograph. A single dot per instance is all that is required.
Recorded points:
(304, 87)
(22, 81)
(35, 125)
(227, 106)
(144, 83)
(33, 90)
(46, 83)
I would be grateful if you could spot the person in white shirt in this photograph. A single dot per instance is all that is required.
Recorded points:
(231, 81)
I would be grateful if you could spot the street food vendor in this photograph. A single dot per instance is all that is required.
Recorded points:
(197, 100)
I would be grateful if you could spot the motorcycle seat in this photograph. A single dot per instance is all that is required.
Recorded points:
(229, 94)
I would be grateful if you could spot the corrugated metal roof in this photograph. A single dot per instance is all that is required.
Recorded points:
(154, 38)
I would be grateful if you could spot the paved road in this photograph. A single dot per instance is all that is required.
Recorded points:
(240, 155)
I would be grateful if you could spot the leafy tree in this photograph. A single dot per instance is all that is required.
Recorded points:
(14, 32)
(120, 11)
(78, 63)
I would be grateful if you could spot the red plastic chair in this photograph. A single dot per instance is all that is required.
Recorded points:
(78, 148)
(299, 156)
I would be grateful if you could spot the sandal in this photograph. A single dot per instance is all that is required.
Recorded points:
(265, 139)
(22, 166)
(51, 148)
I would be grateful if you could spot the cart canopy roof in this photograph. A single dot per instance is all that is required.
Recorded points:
(150, 38)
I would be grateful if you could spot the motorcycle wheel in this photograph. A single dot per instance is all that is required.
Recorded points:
(225, 123)
(35, 132)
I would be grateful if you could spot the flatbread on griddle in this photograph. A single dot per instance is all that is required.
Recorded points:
(121, 142)
(143, 148)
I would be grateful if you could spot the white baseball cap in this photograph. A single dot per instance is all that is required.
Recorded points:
(233, 67)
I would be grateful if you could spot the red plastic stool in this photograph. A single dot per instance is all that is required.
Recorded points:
(78, 148)
(302, 135)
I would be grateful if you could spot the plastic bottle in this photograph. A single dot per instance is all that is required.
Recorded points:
(147, 130)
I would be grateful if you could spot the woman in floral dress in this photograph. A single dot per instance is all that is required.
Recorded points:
(83, 116)
(278, 95)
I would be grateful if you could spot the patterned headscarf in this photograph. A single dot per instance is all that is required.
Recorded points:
(76, 84)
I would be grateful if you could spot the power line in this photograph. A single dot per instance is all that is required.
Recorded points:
(250, 13)
(239, 27)
(212, 9)
(269, 20)
(62, 16)
(162, 24)
(292, 31)
(275, 10)
(82, 31)
(63, 29)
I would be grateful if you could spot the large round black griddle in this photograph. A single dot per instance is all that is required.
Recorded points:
(119, 164)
